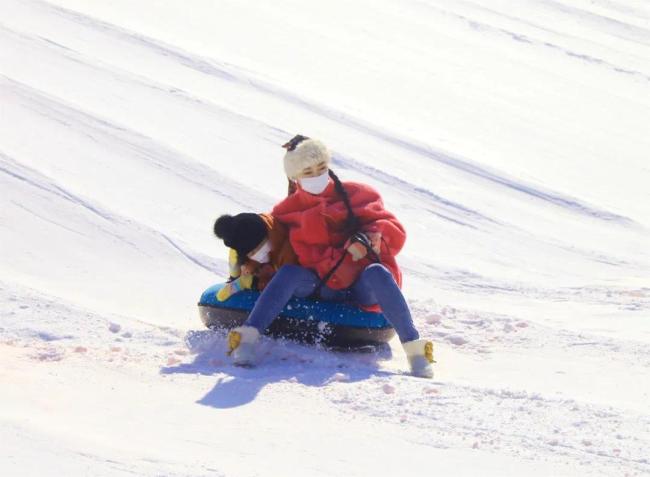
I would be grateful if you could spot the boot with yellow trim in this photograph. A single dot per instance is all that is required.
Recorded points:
(241, 345)
(420, 356)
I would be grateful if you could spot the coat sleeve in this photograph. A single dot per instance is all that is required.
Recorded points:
(369, 207)
(234, 267)
(308, 235)
(281, 250)
(320, 258)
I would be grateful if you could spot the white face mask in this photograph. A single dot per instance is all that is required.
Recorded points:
(315, 185)
(263, 254)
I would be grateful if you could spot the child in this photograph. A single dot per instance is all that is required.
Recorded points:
(259, 246)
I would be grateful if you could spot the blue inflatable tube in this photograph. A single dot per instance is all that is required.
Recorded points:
(331, 324)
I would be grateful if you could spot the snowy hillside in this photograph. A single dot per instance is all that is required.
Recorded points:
(512, 139)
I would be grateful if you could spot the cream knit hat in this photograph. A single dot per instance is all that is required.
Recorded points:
(307, 153)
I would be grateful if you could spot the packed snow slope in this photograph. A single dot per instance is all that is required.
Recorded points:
(511, 137)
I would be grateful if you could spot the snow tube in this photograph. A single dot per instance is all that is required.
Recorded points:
(331, 324)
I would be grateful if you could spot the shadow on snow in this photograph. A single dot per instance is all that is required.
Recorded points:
(279, 361)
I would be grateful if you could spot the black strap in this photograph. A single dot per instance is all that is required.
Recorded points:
(328, 275)
(357, 237)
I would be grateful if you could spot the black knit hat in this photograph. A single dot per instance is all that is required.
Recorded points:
(242, 232)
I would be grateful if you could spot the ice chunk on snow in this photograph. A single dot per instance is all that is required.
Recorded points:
(339, 377)
(433, 319)
(457, 340)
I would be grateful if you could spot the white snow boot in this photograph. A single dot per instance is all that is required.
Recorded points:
(241, 345)
(420, 356)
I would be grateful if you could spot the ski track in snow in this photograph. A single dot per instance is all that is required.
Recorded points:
(112, 135)
(633, 33)
(32, 178)
(233, 74)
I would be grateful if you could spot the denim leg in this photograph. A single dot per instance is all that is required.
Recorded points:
(329, 294)
(376, 285)
(289, 280)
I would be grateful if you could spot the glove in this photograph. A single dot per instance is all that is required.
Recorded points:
(357, 246)
(357, 250)
(245, 282)
(375, 241)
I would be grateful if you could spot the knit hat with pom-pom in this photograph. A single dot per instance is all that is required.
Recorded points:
(242, 232)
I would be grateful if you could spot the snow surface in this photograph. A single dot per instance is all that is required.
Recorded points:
(511, 137)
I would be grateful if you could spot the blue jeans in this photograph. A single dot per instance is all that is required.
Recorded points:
(375, 285)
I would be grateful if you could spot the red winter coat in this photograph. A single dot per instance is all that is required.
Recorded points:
(316, 230)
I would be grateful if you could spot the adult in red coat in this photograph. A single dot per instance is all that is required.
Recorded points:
(319, 230)
(345, 242)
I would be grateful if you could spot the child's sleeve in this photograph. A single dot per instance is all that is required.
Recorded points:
(233, 264)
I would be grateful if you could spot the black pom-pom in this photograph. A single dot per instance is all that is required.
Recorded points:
(223, 226)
